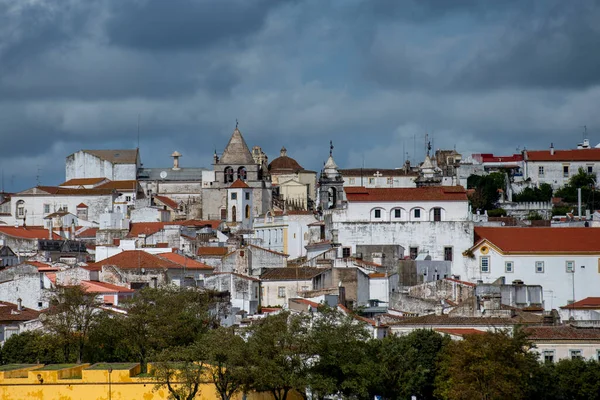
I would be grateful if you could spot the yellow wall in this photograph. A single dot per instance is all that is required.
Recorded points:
(93, 385)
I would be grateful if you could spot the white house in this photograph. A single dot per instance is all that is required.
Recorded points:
(280, 284)
(379, 178)
(244, 290)
(555, 343)
(111, 164)
(556, 167)
(427, 220)
(286, 233)
(564, 261)
(239, 204)
(587, 309)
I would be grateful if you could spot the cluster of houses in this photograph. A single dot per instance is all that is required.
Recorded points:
(398, 249)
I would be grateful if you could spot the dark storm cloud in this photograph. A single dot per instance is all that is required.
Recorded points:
(184, 24)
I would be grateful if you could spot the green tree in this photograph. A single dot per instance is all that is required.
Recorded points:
(490, 366)
(342, 363)
(180, 370)
(32, 348)
(228, 362)
(107, 341)
(486, 194)
(578, 379)
(165, 317)
(71, 317)
(279, 354)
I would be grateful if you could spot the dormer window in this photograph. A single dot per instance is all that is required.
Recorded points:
(228, 175)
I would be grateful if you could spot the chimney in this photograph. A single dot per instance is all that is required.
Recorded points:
(176, 156)
(551, 149)
(73, 230)
(50, 227)
(19, 304)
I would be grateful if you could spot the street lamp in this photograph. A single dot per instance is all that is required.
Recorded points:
(110, 370)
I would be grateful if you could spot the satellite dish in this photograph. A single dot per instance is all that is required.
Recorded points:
(163, 174)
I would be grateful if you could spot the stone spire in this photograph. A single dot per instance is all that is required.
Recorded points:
(237, 151)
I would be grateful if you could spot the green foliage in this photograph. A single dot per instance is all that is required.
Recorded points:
(561, 210)
(180, 370)
(534, 216)
(497, 212)
(32, 348)
(108, 341)
(543, 193)
(589, 195)
(491, 366)
(486, 187)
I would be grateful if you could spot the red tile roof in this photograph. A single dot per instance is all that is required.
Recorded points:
(119, 185)
(460, 331)
(172, 204)
(102, 287)
(564, 155)
(88, 233)
(290, 273)
(564, 332)
(307, 302)
(589, 303)
(433, 193)
(29, 232)
(10, 312)
(150, 228)
(377, 275)
(212, 251)
(59, 191)
(82, 181)
(239, 184)
(188, 263)
(51, 276)
(82, 205)
(42, 267)
(541, 239)
(490, 158)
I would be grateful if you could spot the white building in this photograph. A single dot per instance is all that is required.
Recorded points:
(116, 165)
(564, 261)
(379, 178)
(280, 284)
(239, 205)
(244, 290)
(283, 232)
(428, 220)
(587, 309)
(555, 343)
(556, 167)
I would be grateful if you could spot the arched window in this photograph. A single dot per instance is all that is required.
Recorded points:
(20, 209)
(241, 173)
(228, 175)
(397, 213)
(331, 198)
(436, 214)
(377, 214)
(247, 211)
(233, 214)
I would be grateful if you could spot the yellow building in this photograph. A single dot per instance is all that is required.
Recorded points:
(85, 382)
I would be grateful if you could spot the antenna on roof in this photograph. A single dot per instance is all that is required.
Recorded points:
(236, 123)
(330, 148)
(138, 132)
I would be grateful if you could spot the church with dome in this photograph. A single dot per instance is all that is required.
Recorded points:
(294, 188)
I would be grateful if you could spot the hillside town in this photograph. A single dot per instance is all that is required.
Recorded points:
(419, 246)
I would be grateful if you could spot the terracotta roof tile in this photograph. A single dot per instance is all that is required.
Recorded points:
(290, 273)
(549, 240)
(188, 263)
(29, 232)
(82, 181)
(88, 233)
(42, 267)
(103, 287)
(564, 155)
(307, 302)
(589, 303)
(447, 320)
(10, 312)
(82, 205)
(212, 251)
(59, 191)
(564, 332)
(433, 193)
(119, 185)
(239, 184)
(460, 331)
(150, 228)
(167, 202)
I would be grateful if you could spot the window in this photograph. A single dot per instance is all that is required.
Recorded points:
(447, 253)
(397, 213)
(228, 174)
(570, 266)
(377, 213)
(127, 198)
(509, 267)
(549, 356)
(40, 304)
(21, 208)
(65, 207)
(256, 292)
(352, 181)
(371, 181)
(565, 171)
(346, 251)
(247, 211)
(590, 169)
(46, 208)
(233, 196)
(414, 252)
(484, 264)
(390, 181)
(539, 267)
(281, 292)
(417, 213)
(575, 354)
(247, 195)
(241, 173)
(541, 171)
(437, 214)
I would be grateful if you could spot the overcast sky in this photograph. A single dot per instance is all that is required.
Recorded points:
(484, 76)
